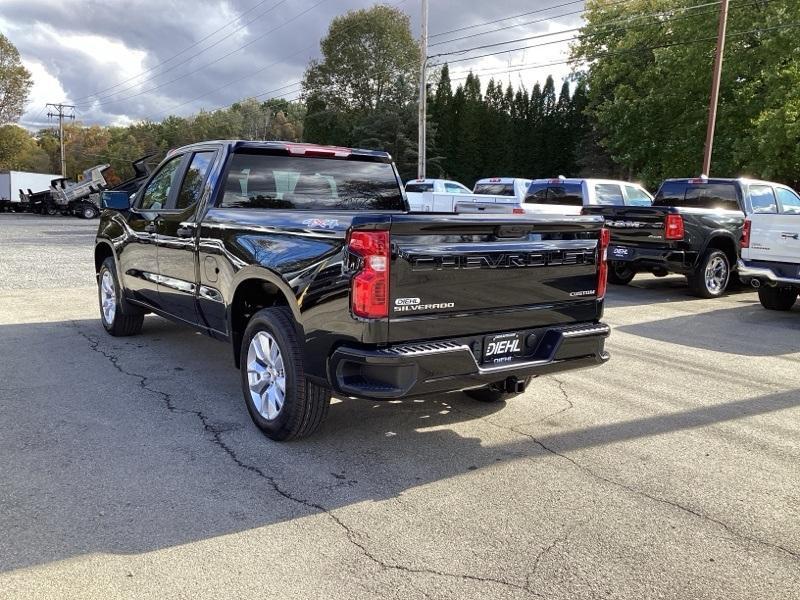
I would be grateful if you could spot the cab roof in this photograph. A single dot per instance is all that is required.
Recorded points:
(501, 180)
(292, 148)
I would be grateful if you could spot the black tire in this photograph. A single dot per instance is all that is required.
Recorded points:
(620, 273)
(88, 211)
(776, 298)
(51, 210)
(127, 320)
(305, 403)
(699, 283)
(494, 392)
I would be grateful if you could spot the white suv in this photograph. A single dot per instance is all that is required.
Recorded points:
(770, 260)
(568, 196)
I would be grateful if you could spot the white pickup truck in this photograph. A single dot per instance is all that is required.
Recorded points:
(420, 193)
(770, 253)
(489, 195)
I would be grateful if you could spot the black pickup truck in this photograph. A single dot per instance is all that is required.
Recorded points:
(305, 259)
(693, 228)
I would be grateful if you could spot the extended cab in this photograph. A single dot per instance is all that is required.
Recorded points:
(770, 260)
(693, 228)
(306, 260)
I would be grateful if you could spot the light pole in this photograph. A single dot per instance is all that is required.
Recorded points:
(423, 92)
(715, 78)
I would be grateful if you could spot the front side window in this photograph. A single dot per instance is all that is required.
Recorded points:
(156, 193)
(608, 194)
(192, 186)
(762, 199)
(259, 180)
(637, 196)
(790, 202)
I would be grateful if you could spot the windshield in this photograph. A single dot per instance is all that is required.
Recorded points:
(494, 189)
(257, 180)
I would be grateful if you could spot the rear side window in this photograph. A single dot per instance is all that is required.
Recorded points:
(454, 188)
(495, 189)
(419, 187)
(790, 202)
(565, 194)
(762, 199)
(698, 195)
(257, 180)
(637, 196)
(608, 194)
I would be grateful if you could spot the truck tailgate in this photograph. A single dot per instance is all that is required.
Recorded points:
(634, 225)
(478, 273)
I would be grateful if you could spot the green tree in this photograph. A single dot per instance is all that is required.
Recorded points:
(20, 152)
(648, 84)
(15, 82)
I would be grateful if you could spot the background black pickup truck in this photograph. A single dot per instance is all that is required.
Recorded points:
(693, 228)
(306, 260)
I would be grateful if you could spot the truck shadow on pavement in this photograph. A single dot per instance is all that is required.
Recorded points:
(133, 445)
(647, 289)
(718, 330)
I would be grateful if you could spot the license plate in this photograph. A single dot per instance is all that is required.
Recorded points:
(619, 253)
(502, 347)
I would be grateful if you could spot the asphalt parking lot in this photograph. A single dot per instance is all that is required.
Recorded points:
(130, 468)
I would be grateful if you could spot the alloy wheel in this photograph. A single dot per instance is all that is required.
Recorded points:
(265, 375)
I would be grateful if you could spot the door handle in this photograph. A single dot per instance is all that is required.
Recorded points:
(792, 236)
(150, 228)
(185, 232)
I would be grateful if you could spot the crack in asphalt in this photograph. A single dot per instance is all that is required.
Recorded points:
(216, 438)
(559, 539)
(563, 390)
(738, 534)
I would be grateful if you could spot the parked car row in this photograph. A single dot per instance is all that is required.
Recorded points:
(697, 227)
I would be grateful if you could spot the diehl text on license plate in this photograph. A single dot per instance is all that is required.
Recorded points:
(619, 252)
(502, 347)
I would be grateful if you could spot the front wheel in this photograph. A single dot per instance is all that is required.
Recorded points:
(494, 392)
(281, 400)
(713, 273)
(620, 273)
(775, 298)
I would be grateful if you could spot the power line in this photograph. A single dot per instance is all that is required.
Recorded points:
(525, 14)
(258, 71)
(577, 29)
(620, 20)
(161, 85)
(526, 67)
(189, 47)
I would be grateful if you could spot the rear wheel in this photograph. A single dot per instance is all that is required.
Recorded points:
(775, 298)
(115, 321)
(281, 400)
(713, 273)
(620, 273)
(494, 392)
(89, 211)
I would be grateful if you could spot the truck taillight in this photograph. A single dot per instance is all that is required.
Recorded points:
(370, 286)
(602, 260)
(673, 227)
(745, 243)
(518, 211)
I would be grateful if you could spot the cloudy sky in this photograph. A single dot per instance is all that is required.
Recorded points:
(125, 61)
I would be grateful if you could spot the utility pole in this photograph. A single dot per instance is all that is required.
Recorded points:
(423, 92)
(717, 74)
(58, 111)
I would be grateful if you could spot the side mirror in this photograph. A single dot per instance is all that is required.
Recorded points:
(116, 200)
